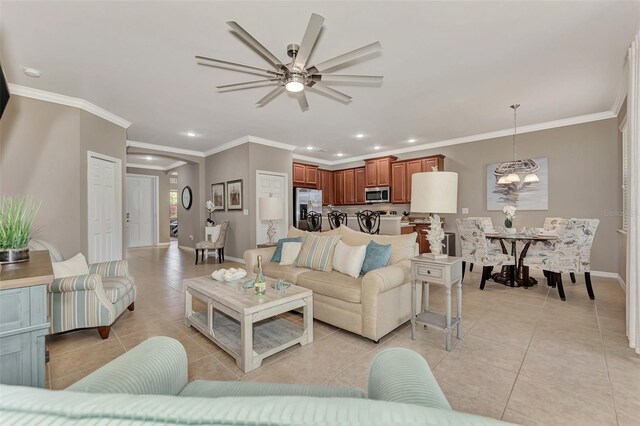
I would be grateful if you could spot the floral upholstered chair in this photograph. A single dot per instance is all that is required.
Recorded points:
(218, 244)
(87, 301)
(476, 249)
(494, 247)
(571, 253)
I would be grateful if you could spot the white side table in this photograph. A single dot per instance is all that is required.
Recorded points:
(446, 272)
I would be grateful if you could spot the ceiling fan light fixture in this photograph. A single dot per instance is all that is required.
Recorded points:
(295, 84)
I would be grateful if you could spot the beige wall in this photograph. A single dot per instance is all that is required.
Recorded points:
(190, 222)
(44, 155)
(224, 166)
(163, 199)
(584, 170)
(39, 157)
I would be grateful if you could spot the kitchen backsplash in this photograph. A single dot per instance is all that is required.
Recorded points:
(387, 207)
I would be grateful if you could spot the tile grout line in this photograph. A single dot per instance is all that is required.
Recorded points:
(606, 363)
(527, 351)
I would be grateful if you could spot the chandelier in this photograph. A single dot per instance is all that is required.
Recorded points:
(511, 170)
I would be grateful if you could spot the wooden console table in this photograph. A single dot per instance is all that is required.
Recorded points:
(24, 321)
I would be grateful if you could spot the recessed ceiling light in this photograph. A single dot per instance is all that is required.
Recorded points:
(148, 157)
(377, 147)
(411, 140)
(191, 134)
(31, 72)
(310, 148)
(359, 135)
(340, 154)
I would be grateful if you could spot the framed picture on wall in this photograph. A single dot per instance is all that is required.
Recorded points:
(217, 195)
(234, 194)
(523, 195)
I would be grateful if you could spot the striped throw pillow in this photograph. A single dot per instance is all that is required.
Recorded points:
(317, 252)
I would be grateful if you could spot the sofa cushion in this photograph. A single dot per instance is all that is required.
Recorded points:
(295, 232)
(277, 255)
(377, 256)
(402, 246)
(333, 284)
(290, 253)
(317, 252)
(75, 266)
(288, 273)
(212, 389)
(348, 259)
(116, 287)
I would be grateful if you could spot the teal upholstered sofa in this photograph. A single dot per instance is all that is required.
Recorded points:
(148, 385)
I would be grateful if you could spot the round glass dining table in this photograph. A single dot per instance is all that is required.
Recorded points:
(527, 238)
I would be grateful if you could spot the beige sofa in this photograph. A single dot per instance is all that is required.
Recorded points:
(371, 305)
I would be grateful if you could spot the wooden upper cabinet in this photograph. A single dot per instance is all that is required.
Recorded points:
(360, 185)
(398, 182)
(349, 193)
(413, 166)
(338, 187)
(436, 161)
(378, 171)
(305, 175)
(325, 183)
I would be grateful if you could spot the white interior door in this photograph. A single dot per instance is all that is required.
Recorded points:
(141, 210)
(275, 185)
(104, 209)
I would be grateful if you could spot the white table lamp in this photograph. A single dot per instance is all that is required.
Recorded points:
(434, 192)
(271, 208)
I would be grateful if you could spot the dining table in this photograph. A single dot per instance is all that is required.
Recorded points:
(526, 237)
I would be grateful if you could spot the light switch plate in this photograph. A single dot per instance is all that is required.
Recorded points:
(465, 210)
(245, 212)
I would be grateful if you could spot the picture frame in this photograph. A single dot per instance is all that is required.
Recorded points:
(234, 194)
(218, 195)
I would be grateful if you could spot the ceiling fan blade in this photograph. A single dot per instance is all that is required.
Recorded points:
(330, 92)
(256, 44)
(302, 100)
(258, 83)
(218, 63)
(335, 78)
(308, 41)
(345, 57)
(272, 94)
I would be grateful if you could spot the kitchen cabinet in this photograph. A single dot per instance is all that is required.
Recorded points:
(423, 244)
(399, 182)
(305, 175)
(407, 229)
(360, 185)
(338, 187)
(349, 186)
(436, 161)
(378, 171)
(413, 166)
(325, 183)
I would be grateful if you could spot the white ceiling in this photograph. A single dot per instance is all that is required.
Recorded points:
(154, 161)
(451, 69)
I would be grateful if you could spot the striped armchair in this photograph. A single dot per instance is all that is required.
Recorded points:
(87, 301)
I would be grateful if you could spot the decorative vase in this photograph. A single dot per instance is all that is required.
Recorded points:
(14, 255)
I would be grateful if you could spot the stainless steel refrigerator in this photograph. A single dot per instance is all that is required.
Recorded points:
(305, 200)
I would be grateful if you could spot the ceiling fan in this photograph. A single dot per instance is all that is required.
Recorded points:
(295, 76)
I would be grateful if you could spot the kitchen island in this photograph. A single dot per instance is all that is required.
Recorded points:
(389, 224)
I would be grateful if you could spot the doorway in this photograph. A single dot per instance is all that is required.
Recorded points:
(104, 207)
(142, 210)
(271, 184)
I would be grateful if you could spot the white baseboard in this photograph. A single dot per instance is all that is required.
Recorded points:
(613, 275)
(187, 248)
(163, 244)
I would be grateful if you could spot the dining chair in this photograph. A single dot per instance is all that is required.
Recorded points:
(570, 253)
(487, 223)
(476, 249)
(314, 222)
(218, 244)
(369, 221)
(557, 225)
(336, 219)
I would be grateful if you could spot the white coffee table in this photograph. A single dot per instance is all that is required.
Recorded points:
(245, 325)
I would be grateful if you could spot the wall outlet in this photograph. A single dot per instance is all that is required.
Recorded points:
(191, 237)
(465, 210)
(245, 212)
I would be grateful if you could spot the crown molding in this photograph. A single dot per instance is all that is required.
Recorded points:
(622, 94)
(312, 159)
(473, 138)
(42, 95)
(164, 148)
(249, 139)
(174, 165)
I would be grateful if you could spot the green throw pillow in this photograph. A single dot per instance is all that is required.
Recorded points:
(277, 255)
(377, 256)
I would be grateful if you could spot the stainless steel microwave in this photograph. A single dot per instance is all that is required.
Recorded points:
(377, 195)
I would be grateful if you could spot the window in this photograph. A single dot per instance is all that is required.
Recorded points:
(625, 176)
(173, 204)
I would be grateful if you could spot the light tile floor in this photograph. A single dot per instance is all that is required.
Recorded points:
(525, 357)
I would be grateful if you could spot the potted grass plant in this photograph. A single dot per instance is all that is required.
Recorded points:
(16, 218)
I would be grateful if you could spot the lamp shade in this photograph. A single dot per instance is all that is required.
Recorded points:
(434, 192)
(271, 208)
